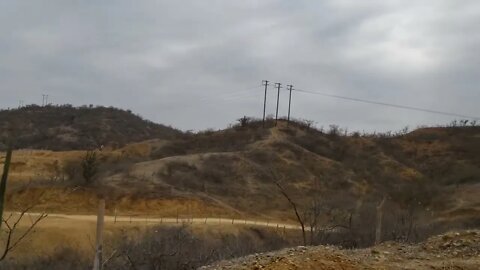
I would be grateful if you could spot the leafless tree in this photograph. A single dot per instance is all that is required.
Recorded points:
(378, 227)
(11, 230)
(295, 209)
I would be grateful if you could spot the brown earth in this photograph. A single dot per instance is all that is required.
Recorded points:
(229, 172)
(454, 250)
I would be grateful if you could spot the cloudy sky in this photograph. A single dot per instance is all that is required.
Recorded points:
(199, 64)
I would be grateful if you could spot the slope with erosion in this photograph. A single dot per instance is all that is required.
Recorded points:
(233, 172)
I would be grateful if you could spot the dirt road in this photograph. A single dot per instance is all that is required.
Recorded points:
(171, 220)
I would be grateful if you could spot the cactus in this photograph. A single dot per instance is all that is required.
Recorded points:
(3, 184)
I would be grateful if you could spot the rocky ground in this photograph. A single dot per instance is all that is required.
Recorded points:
(454, 250)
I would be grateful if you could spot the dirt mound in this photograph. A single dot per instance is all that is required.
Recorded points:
(455, 244)
(454, 250)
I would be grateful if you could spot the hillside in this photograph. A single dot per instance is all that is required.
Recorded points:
(430, 178)
(73, 128)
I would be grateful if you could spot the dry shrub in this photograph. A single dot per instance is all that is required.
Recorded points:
(161, 248)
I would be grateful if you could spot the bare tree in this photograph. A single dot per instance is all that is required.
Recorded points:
(244, 121)
(11, 223)
(11, 227)
(312, 218)
(294, 207)
(378, 227)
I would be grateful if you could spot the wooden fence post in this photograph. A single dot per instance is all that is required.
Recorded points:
(97, 263)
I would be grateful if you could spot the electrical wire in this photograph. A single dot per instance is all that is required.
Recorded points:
(399, 106)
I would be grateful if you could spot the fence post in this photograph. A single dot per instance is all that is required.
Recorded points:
(206, 220)
(233, 220)
(97, 263)
(115, 214)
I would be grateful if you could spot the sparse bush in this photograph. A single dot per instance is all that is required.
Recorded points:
(90, 166)
(161, 248)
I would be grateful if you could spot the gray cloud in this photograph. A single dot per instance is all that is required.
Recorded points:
(198, 64)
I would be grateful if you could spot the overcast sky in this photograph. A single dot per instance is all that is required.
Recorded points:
(199, 64)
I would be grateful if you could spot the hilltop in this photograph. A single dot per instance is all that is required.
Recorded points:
(430, 178)
(73, 128)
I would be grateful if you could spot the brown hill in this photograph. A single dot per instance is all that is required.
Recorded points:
(429, 177)
(72, 128)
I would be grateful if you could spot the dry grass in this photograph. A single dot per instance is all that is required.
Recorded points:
(230, 173)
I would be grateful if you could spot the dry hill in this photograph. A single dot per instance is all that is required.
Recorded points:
(73, 128)
(430, 178)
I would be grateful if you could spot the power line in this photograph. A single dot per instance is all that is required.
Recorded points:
(232, 94)
(406, 107)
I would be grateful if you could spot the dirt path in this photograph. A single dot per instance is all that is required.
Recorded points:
(173, 220)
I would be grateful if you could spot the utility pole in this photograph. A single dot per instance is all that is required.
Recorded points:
(44, 100)
(278, 85)
(265, 101)
(289, 102)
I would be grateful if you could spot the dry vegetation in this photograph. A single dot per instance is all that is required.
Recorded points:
(138, 247)
(71, 128)
(430, 178)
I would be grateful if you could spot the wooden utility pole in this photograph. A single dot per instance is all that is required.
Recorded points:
(265, 101)
(97, 263)
(289, 102)
(278, 85)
